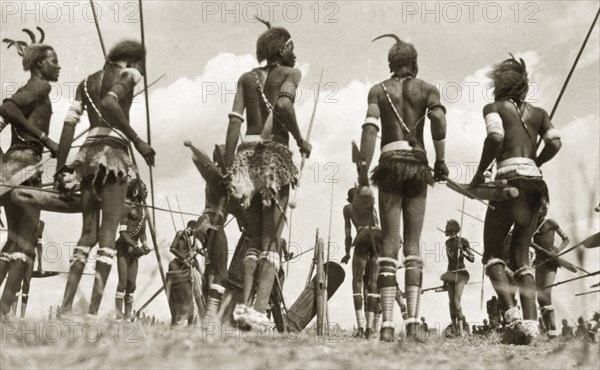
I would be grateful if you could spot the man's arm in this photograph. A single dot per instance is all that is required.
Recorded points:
(175, 247)
(437, 115)
(11, 111)
(284, 108)
(565, 239)
(122, 89)
(236, 118)
(144, 239)
(492, 144)
(552, 143)
(123, 234)
(466, 248)
(368, 138)
(71, 120)
(347, 231)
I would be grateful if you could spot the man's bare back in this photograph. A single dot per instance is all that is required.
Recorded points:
(523, 143)
(249, 98)
(411, 98)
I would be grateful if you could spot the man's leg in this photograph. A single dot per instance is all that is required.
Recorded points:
(452, 306)
(458, 291)
(132, 271)
(13, 217)
(413, 207)
(270, 258)
(525, 218)
(121, 285)
(496, 227)
(389, 207)
(359, 262)
(25, 253)
(89, 237)
(218, 257)
(25, 289)
(372, 296)
(40, 255)
(7, 249)
(543, 277)
(113, 199)
(254, 230)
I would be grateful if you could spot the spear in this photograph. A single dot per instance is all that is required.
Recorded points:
(98, 28)
(573, 279)
(147, 101)
(150, 85)
(171, 213)
(589, 243)
(564, 87)
(593, 291)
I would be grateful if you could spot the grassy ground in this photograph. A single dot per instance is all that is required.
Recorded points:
(53, 344)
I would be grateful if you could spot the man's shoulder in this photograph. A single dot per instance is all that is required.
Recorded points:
(538, 111)
(249, 75)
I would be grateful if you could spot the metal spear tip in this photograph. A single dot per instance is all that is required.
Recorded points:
(292, 205)
(187, 143)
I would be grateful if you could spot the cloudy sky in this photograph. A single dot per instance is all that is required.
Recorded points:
(203, 47)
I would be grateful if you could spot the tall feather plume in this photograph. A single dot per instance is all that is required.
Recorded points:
(395, 37)
(266, 23)
(42, 35)
(31, 35)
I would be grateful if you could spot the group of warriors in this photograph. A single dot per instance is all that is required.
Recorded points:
(252, 180)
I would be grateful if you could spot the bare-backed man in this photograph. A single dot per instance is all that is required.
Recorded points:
(260, 179)
(513, 127)
(102, 166)
(402, 103)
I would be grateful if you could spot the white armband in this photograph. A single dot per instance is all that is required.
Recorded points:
(74, 114)
(551, 135)
(372, 121)
(122, 228)
(237, 115)
(440, 149)
(493, 124)
(135, 74)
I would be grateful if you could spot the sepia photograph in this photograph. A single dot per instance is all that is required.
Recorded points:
(306, 184)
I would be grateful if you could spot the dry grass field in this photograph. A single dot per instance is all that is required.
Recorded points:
(110, 345)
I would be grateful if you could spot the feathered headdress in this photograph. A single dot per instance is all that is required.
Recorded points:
(271, 41)
(401, 53)
(31, 53)
(510, 79)
(21, 46)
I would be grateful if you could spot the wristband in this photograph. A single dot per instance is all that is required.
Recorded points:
(43, 137)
